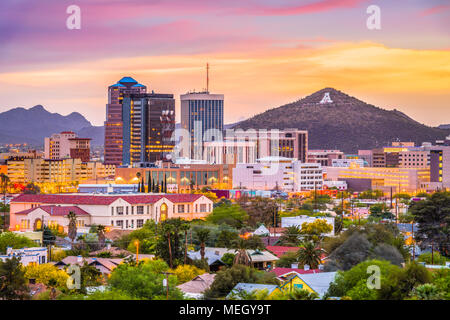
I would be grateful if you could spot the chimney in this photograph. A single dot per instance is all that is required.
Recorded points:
(306, 267)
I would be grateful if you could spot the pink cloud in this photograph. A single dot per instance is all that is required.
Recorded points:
(435, 10)
(318, 6)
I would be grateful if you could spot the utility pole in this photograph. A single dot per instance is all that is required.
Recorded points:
(412, 240)
(391, 197)
(432, 253)
(207, 77)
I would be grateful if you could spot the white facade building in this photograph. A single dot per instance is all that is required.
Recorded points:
(269, 173)
(230, 152)
(126, 211)
(347, 162)
(36, 255)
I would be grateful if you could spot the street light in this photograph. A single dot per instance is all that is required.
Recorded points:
(166, 283)
(136, 243)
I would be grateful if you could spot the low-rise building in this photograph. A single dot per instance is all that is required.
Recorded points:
(126, 211)
(27, 256)
(277, 173)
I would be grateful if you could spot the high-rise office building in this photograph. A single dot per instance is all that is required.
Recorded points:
(139, 125)
(202, 117)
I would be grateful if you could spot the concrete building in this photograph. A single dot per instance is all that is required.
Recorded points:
(324, 157)
(66, 145)
(364, 178)
(287, 143)
(439, 167)
(202, 121)
(230, 152)
(285, 174)
(125, 211)
(56, 171)
(180, 177)
(37, 255)
(347, 162)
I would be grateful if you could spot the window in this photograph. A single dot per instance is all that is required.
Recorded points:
(112, 211)
(140, 210)
(119, 223)
(298, 286)
(203, 207)
(126, 224)
(127, 210)
(119, 211)
(196, 208)
(139, 223)
(181, 208)
(132, 210)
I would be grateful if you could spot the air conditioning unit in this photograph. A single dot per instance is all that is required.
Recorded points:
(294, 266)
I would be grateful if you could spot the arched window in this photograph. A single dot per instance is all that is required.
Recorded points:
(164, 211)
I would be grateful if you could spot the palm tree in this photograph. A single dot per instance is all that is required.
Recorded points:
(310, 253)
(203, 236)
(291, 235)
(185, 227)
(4, 182)
(72, 226)
(101, 235)
(242, 256)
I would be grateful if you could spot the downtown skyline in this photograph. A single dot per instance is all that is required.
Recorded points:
(261, 55)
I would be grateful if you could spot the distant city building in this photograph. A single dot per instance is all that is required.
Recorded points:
(284, 174)
(179, 177)
(230, 152)
(288, 143)
(324, 157)
(62, 171)
(202, 117)
(365, 178)
(139, 125)
(37, 255)
(116, 211)
(347, 162)
(339, 185)
(66, 145)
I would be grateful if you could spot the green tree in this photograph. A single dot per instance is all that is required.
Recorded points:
(169, 245)
(433, 217)
(13, 284)
(226, 239)
(310, 253)
(10, 239)
(230, 214)
(72, 226)
(228, 258)
(202, 235)
(144, 280)
(291, 236)
(259, 210)
(287, 259)
(101, 235)
(226, 279)
(314, 231)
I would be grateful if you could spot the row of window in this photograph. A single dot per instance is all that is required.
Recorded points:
(180, 208)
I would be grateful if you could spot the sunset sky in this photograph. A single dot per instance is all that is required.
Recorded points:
(262, 53)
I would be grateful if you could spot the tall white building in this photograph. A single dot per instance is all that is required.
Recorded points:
(230, 152)
(286, 174)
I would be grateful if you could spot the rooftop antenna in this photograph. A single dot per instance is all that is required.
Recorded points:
(207, 77)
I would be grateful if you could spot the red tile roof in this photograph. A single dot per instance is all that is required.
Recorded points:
(57, 210)
(283, 271)
(102, 199)
(281, 250)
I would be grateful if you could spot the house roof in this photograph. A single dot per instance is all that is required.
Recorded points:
(199, 284)
(57, 210)
(281, 250)
(256, 255)
(250, 287)
(285, 271)
(108, 263)
(319, 282)
(102, 199)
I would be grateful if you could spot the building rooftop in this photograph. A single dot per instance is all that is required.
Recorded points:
(127, 80)
(103, 199)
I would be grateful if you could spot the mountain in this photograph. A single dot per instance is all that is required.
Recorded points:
(336, 120)
(20, 125)
(444, 126)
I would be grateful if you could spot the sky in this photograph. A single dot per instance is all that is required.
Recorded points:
(262, 53)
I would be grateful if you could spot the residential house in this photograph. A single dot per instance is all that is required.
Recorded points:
(197, 286)
(27, 256)
(248, 288)
(312, 282)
